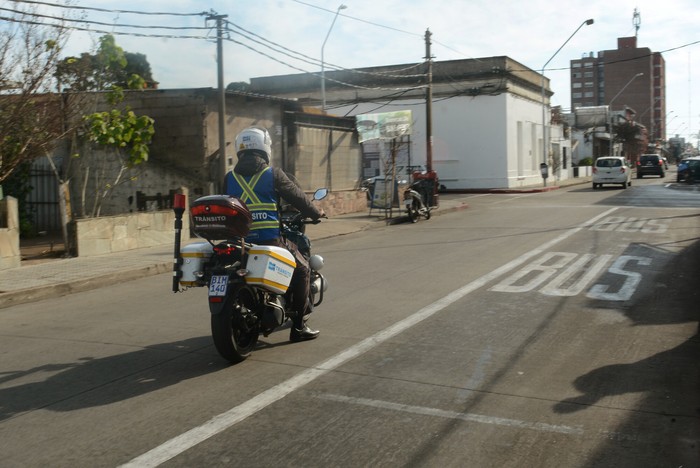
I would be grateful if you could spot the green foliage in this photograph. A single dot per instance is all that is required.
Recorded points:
(110, 66)
(586, 162)
(122, 130)
(238, 86)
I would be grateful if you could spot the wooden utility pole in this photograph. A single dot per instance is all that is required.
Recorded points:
(429, 105)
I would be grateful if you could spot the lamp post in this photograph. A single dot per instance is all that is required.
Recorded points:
(678, 128)
(666, 122)
(323, 71)
(653, 122)
(545, 143)
(610, 107)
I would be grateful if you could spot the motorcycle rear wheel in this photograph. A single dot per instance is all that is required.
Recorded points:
(233, 336)
(412, 209)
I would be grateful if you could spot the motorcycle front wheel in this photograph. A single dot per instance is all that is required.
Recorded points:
(412, 209)
(235, 329)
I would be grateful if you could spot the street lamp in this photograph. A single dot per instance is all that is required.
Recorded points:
(669, 122)
(666, 122)
(545, 143)
(610, 107)
(323, 71)
(678, 128)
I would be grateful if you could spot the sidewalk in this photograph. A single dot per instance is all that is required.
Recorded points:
(57, 277)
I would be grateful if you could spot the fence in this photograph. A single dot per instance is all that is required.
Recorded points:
(42, 200)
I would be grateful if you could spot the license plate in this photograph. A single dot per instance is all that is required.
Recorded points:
(217, 285)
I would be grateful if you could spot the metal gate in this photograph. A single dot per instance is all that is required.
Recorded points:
(42, 201)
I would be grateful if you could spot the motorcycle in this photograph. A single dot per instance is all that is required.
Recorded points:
(416, 201)
(248, 283)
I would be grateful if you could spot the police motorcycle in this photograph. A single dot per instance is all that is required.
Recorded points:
(248, 283)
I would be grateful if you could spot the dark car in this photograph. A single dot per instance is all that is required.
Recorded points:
(650, 164)
(689, 170)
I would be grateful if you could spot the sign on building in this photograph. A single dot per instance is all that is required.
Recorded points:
(387, 125)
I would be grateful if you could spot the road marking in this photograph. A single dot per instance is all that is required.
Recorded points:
(471, 417)
(180, 444)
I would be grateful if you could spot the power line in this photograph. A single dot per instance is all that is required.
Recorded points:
(277, 48)
(315, 74)
(314, 61)
(85, 21)
(105, 10)
(119, 33)
(358, 19)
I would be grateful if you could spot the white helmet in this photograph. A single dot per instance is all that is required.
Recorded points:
(256, 139)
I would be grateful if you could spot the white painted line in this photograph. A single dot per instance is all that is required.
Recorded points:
(223, 421)
(471, 417)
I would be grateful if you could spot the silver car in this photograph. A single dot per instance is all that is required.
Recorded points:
(611, 170)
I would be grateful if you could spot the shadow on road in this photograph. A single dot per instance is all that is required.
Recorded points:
(668, 380)
(96, 382)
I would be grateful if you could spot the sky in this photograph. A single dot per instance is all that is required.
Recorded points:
(390, 32)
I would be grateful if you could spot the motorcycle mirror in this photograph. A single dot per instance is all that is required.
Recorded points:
(320, 194)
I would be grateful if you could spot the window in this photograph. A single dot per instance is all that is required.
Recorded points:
(588, 65)
(588, 94)
(588, 84)
(576, 75)
(575, 85)
(576, 95)
(576, 65)
(588, 74)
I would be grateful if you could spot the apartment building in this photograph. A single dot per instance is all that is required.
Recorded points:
(612, 78)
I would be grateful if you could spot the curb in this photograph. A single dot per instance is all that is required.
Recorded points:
(24, 296)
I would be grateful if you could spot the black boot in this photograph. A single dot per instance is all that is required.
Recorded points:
(302, 333)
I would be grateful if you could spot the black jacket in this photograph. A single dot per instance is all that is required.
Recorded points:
(250, 164)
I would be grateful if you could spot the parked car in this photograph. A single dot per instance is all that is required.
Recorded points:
(689, 170)
(650, 164)
(611, 170)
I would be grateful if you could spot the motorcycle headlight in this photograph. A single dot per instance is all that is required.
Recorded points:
(316, 262)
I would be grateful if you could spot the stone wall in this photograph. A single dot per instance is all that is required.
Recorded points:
(111, 234)
(10, 256)
(343, 202)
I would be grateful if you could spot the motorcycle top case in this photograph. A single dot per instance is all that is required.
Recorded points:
(270, 267)
(193, 258)
(220, 217)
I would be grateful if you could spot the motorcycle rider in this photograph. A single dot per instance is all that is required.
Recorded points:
(261, 187)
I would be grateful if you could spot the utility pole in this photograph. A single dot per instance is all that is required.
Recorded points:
(429, 105)
(222, 99)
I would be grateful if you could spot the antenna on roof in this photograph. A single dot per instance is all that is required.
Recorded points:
(636, 21)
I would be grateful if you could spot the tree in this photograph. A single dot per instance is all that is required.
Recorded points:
(238, 86)
(30, 120)
(119, 137)
(109, 66)
(137, 64)
(125, 136)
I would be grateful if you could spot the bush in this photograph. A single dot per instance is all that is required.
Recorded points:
(586, 162)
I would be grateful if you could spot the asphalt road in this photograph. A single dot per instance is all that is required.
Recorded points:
(544, 329)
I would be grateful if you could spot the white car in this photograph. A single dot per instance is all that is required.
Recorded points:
(611, 170)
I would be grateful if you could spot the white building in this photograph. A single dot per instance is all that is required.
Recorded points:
(487, 116)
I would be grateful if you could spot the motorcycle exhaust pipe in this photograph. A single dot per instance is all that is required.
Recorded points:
(179, 209)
